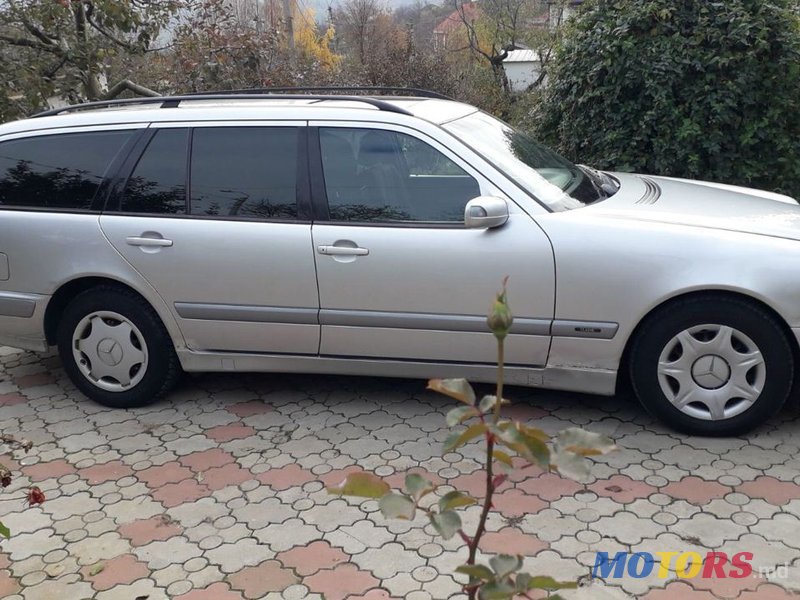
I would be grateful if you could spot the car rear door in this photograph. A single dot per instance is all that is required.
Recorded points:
(216, 217)
(399, 275)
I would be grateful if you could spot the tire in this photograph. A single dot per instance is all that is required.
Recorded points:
(115, 348)
(712, 366)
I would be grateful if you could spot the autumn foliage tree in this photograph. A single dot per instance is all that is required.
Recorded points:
(312, 42)
(214, 49)
(64, 47)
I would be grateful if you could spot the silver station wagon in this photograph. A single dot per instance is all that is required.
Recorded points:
(366, 235)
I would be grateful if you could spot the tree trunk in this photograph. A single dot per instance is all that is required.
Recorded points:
(499, 73)
(85, 61)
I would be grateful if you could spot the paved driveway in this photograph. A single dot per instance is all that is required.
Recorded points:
(218, 493)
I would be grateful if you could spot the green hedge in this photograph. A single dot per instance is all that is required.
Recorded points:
(688, 88)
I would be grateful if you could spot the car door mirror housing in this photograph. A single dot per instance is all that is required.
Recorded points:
(485, 212)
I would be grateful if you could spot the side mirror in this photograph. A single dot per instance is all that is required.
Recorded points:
(485, 212)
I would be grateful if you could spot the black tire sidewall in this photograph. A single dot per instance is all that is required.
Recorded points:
(159, 346)
(752, 321)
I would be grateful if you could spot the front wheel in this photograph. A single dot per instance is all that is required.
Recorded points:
(115, 348)
(712, 366)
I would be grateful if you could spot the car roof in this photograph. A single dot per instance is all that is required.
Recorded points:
(218, 108)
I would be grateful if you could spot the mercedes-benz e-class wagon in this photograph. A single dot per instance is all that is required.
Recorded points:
(367, 235)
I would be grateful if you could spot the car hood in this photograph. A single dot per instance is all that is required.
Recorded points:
(702, 204)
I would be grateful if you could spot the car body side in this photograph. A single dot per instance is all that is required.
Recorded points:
(607, 268)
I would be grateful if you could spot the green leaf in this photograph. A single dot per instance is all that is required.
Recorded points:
(572, 445)
(570, 465)
(97, 569)
(455, 499)
(447, 523)
(496, 590)
(532, 431)
(460, 389)
(585, 443)
(527, 443)
(459, 439)
(505, 564)
(4, 531)
(502, 457)
(487, 403)
(521, 582)
(460, 414)
(479, 572)
(417, 486)
(543, 582)
(397, 506)
(363, 485)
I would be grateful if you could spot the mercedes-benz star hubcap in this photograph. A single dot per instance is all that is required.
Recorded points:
(711, 372)
(110, 351)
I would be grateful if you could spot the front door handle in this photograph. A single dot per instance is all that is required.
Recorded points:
(148, 241)
(342, 251)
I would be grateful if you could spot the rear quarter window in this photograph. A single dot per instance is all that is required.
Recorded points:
(158, 183)
(60, 171)
(248, 172)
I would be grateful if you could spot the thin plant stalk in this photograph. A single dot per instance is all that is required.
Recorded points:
(499, 394)
(474, 543)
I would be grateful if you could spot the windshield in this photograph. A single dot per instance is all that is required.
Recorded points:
(549, 178)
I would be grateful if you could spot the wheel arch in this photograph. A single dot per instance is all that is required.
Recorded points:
(68, 290)
(623, 377)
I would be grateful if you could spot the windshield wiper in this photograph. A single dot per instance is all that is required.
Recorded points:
(605, 185)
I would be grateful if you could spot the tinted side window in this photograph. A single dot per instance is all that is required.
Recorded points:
(245, 172)
(158, 183)
(56, 171)
(386, 176)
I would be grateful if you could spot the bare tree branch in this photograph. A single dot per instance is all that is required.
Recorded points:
(28, 43)
(50, 72)
(30, 27)
(128, 85)
(108, 35)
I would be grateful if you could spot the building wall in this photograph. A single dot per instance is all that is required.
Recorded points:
(522, 74)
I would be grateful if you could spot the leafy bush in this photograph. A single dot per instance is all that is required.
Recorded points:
(705, 90)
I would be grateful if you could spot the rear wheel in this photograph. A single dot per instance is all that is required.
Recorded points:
(115, 348)
(712, 366)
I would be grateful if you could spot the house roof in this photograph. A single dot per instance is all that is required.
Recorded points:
(524, 55)
(454, 21)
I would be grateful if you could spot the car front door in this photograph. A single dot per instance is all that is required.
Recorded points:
(399, 274)
(213, 217)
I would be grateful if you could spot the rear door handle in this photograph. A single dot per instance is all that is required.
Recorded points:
(147, 241)
(342, 251)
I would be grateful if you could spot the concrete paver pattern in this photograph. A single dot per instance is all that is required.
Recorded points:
(218, 493)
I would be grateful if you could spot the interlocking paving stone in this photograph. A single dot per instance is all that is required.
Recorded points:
(218, 493)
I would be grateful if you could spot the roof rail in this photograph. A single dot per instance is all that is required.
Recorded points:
(174, 101)
(409, 91)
